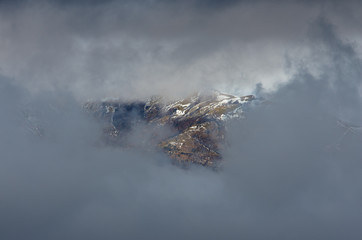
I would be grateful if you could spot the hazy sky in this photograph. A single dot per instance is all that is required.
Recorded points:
(288, 171)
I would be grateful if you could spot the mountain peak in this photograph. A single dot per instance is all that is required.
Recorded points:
(198, 122)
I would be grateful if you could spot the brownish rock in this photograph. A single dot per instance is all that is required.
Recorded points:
(198, 123)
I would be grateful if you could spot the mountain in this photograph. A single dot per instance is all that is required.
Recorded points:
(197, 123)
(189, 131)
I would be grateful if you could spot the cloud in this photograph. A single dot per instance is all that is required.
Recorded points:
(292, 167)
(134, 49)
(287, 172)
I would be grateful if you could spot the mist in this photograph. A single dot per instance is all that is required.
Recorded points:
(134, 49)
(290, 170)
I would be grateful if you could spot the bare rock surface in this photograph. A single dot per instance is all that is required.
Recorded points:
(198, 123)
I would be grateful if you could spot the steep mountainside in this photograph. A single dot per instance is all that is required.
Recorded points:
(198, 123)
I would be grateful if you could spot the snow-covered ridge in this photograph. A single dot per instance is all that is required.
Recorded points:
(218, 106)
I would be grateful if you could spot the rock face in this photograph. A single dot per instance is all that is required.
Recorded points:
(198, 123)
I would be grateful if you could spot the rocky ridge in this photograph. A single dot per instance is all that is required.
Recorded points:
(198, 123)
